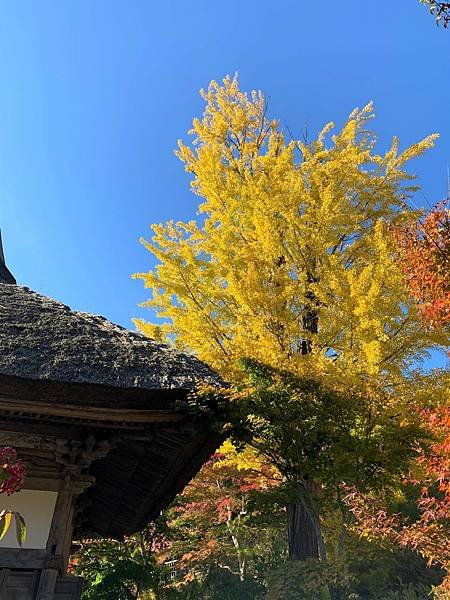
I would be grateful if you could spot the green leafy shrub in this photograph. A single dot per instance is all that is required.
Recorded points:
(309, 580)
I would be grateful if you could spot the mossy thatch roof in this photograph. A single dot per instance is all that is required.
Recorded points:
(71, 377)
(41, 338)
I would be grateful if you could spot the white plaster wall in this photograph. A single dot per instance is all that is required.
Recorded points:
(37, 508)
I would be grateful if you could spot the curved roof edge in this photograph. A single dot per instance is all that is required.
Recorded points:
(43, 339)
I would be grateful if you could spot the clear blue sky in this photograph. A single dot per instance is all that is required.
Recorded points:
(94, 95)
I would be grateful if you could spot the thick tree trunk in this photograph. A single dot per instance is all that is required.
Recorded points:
(302, 538)
(305, 539)
(302, 532)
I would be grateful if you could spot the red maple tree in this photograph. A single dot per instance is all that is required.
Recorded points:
(424, 253)
(429, 534)
(212, 518)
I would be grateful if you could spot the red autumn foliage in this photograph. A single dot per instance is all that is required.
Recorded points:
(430, 533)
(211, 515)
(12, 471)
(424, 252)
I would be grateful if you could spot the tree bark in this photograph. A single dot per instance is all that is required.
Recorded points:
(302, 538)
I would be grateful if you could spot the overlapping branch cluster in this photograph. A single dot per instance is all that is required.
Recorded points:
(292, 266)
(440, 11)
(429, 533)
(425, 260)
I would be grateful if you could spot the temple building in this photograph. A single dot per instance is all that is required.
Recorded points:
(96, 413)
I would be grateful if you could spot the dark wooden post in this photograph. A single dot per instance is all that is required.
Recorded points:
(58, 544)
(76, 457)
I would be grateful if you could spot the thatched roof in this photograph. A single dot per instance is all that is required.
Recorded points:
(70, 377)
(41, 338)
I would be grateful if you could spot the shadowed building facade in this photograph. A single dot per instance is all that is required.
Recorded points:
(95, 411)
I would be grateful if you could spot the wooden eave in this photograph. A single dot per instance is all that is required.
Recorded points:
(156, 448)
(87, 395)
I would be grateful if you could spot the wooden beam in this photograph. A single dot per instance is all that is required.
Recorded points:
(86, 394)
(29, 558)
(42, 483)
(90, 412)
(47, 584)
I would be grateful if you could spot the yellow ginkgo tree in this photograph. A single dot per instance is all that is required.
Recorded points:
(289, 234)
(291, 261)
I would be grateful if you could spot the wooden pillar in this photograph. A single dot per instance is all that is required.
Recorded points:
(60, 535)
(47, 584)
(62, 517)
(57, 535)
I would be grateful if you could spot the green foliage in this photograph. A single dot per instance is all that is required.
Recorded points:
(116, 570)
(368, 572)
(379, 572)
(308, 580)
(226, 529)
(221, 584)
(407, 592)
(120, 581)
(216, 584)
(333, 436)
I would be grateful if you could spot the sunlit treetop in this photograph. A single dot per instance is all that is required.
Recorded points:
(291, 261)
(424, 253)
